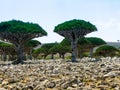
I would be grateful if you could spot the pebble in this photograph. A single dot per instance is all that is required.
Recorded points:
(86, 74)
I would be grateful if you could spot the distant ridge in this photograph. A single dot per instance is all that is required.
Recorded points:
(115, 44)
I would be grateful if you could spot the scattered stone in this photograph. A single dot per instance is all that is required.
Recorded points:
(64, 85)
(51, 85)
(86, 74)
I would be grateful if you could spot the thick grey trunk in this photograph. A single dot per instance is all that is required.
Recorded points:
(20, 53)
(74, 50)
(21, 56)
(4, 58)
(63, 56)
(91, 52)
(80, 54)
(60, 55)
(30, 57)
(52, 56)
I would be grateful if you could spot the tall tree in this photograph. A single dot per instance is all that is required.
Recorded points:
(18, 33)
(73, 30)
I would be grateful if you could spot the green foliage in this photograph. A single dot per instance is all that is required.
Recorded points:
(83, 46)
(44, 49)
(58, 48)
(83, 42)
(7, 49)
(32, 43)
(40, 50)
(18, 33)
(96, 41)
(65, 42)
(6, 45)
(107, 50)
(73, 30)
(16, 26)
(75, 24)
(48, 45)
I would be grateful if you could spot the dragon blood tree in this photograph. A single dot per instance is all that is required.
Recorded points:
(30, 45)
(95, 42)
(18, 33)
(73, 30)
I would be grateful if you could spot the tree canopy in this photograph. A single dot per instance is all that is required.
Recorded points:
(16, 26)
(44, 49)
(83, 42)
(58, 48)
(95, 41)
(107, 50)
(32, 43)
(76, 24)
(74, 29)
(65, 42)
(6, 45)
(6, 49)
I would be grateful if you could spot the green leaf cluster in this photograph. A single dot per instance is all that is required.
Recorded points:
(58, 48)
(65, 42)
(96, 41)
(16, 26)
(32, 43)
(44, 49)
(6, 45)
(75, 25)
(83, 41)
(107, 50)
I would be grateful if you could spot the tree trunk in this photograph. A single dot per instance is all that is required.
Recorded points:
(20, 54)
(74, 50)
(59, 55)
(30, 56)
(91, 52)
(80, 54)
(44, 57)
(52, 56)
(4, 56)
(63, 56)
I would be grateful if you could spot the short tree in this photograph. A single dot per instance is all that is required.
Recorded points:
(73, 30)
(95, 41)
(44, 50)
(106, 50)
(30, 45)
(66, 44)
(83, 45)
(18, 33)
(6, 48)
(58, 48)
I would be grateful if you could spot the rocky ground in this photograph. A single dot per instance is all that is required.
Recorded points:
(86, 74)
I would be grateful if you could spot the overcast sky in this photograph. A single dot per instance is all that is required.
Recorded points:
(105, 14)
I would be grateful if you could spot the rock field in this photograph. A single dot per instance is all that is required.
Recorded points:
(86, 74)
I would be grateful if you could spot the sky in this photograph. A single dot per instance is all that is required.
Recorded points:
(104, 14)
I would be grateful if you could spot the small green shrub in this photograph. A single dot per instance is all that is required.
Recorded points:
(107, 50)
